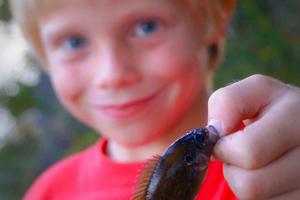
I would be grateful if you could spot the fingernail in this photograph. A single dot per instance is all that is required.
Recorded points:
(217, 125)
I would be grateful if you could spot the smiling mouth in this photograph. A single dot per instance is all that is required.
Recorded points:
(129, 109)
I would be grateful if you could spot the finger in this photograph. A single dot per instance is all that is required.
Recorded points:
(265, 139)
(276, 128)
(242, 100)
(291, 195)
(277, 178)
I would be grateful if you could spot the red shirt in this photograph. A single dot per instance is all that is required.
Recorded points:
(91, 175)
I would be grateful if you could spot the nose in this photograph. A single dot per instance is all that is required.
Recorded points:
(115, 68)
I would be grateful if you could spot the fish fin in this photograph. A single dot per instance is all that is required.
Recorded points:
(144, 178)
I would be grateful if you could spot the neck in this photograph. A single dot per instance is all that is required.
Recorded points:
(195, 117)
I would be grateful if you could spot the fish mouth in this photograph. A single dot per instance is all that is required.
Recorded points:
(213, 134)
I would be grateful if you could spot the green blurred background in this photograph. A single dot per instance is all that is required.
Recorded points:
(35, 131)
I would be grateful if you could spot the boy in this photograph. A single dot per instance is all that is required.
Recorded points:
(139, 72)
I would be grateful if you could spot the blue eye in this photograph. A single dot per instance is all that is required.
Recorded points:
(146, 28)
(75, 42)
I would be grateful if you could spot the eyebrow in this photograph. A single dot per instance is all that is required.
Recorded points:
(51, 32)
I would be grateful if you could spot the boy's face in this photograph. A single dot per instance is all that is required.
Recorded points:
(130, 69)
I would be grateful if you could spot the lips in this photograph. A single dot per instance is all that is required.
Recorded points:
(128, 109)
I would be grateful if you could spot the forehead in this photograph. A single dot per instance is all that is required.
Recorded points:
(103, 5)
(104, 11)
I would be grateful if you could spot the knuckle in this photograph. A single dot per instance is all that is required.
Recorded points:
(293, 88)
(269, 82)
(294, 95)
(258, 77)
(262, 79)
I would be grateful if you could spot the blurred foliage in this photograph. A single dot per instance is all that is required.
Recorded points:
(4, 11)
(264, 38)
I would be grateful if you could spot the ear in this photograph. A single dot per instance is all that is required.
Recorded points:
(215, 53)
(222, 11)
(227, 6)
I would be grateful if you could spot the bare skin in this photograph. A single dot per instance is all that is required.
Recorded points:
(263, 160)
(138, 75)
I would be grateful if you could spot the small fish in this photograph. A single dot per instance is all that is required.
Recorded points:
(180, 171)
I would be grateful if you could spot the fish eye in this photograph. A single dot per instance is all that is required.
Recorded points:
(188, 159)
(146, 28)
(201, 135)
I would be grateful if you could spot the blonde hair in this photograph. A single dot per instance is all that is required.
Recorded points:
(26, 12)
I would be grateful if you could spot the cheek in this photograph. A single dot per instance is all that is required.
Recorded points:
(174, 61)
(67, 84)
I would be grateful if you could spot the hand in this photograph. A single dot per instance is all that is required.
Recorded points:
(262, 161)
